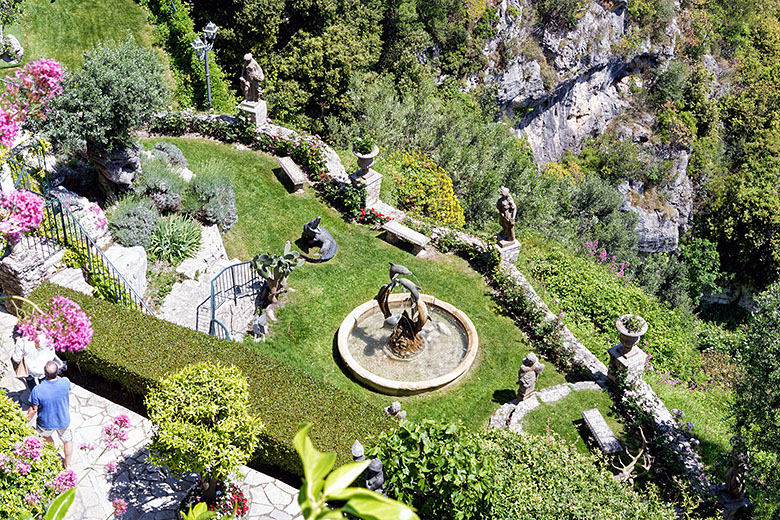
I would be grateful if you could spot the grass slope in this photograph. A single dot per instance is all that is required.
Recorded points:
(64, 29)
(325, 293)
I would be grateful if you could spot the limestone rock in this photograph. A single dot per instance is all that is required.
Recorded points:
(21, 272)
(131, 262)
(117, 168)
(89, 214)
(14, 51)
(211, 251)
(72, 279)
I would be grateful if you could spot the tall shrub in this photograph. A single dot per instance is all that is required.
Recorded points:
(202, 420)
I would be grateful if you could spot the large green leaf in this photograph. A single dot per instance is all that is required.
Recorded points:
(343, 477)
(368, 505)
(60, 506)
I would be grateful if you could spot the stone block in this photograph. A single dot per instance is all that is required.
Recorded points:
(131, 263)
(257, 110)
(631, 364)
(72, 279)
(601, 431)
(509, 252)
(553, 393)
(21, 272)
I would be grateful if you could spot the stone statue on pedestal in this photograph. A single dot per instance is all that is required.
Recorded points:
(507, 211)
(527, 376)
(738, 466)
(375, 477)
(251, 76)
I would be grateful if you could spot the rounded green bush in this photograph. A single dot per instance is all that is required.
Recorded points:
(212, 199)
(132, 221)
(202, 420)
(176, 238)
(163, 186)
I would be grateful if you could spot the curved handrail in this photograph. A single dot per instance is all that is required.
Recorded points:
(247, 277)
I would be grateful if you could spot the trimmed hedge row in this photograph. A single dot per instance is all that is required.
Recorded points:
(136, 350)
(175, 32)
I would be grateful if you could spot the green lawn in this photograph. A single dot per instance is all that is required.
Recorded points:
(565, 418)
(326, 293)
(64, 29)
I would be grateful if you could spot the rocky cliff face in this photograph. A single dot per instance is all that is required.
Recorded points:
(561, 86)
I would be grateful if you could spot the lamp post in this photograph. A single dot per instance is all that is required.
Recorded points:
(202, 45)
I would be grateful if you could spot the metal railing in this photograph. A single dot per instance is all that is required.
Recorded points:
(60, 226)
(23, 173)
(233, 282)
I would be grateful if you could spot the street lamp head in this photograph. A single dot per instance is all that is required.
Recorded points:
(200, 47)
(210, 32)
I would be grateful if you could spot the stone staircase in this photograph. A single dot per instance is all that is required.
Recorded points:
(188, 303)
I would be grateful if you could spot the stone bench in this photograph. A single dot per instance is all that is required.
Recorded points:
(293, 172)
(601, 431)
(396, 230)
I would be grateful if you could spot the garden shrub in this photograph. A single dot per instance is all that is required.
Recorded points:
(592, 298)
(212, 198)
(423, 187)
(136, 350)
(202, 421)
(175, 32)
(132, 221)
(446, 472)
(177, 237)
(548, 479)
(14, 486)
(174, 156)
(161, 185)
(441, 470)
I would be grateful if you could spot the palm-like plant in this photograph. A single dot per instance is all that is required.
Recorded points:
(276, 268)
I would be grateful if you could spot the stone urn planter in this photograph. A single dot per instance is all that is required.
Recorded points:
(365, 161)
(631, 328)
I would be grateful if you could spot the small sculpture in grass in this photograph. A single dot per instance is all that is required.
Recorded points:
(276, 268)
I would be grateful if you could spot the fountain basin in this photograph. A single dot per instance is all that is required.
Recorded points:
(451, 347)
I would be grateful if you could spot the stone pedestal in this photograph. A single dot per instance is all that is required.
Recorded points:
(509, 251)
(21, 272)
(371, 181)
(733, 508)
(257, 110)
(631, 363)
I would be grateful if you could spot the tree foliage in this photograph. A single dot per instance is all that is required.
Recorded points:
(116, 90)
(756, 403)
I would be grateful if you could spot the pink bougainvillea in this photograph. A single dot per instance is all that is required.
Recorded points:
(31, 447)
(20, 212)
(66, 327)
(64, 481)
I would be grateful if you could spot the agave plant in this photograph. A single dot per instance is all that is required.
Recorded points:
(276, 268)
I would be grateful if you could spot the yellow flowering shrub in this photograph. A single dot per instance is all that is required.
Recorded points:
(423, 187)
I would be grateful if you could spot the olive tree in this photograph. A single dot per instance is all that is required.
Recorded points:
(202, 422)
(117, 89)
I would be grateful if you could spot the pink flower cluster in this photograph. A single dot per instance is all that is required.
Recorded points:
(63, 482)
(100, 219)
(26, 95)
(120, 506)
(31, 447)
(619, 269)
(20, 212)
(66, 327)
(116, 431)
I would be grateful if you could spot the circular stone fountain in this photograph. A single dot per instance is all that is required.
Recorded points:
(447, 344)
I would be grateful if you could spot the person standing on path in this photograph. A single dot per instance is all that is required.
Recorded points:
(35, 355)
(51, 401)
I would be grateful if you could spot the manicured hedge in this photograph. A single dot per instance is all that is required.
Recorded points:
(135, 350)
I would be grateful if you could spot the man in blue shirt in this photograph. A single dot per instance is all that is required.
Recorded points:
(51, 401)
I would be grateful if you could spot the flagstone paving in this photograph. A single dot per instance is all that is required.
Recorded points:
(151, 493)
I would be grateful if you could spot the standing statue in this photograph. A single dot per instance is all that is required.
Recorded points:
(375, 477)
(251, 76)
(738, 466)
(527, 376)
(507, 211)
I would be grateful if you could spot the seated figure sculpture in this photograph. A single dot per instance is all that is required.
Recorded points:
(527, 376)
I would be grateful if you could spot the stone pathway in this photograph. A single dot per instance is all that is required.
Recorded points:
(510, 415)
(151, 493)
